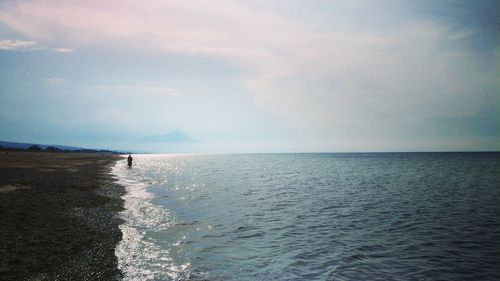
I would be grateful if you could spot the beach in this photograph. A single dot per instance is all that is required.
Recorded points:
(58, 216)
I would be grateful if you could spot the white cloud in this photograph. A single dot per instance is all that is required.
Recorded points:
(6, 44)
(54, 81)
(148, 90)
(63, 50)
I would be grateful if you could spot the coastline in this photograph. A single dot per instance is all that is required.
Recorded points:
(58, 216)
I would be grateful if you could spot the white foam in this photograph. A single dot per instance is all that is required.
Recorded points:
(139, 257)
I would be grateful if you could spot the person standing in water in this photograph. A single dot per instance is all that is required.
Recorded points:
(129, 160)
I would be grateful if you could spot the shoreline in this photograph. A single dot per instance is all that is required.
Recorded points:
(59, 216)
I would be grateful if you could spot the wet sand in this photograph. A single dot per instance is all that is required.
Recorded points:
(58, 216)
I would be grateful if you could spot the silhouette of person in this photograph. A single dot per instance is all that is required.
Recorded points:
(129, 160)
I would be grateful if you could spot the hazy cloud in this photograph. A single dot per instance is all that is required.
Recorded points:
(379, 75)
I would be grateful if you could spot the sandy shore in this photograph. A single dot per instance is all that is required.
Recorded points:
(58, 216)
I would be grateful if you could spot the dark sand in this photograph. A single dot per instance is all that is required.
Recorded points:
(58, 216)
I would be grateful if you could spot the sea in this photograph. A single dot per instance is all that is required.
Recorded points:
(311, 216)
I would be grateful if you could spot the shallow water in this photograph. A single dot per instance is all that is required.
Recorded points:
(390, 216)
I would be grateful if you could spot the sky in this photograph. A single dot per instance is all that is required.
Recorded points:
(252, 75)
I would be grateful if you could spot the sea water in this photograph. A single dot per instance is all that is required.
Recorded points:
(387, 216)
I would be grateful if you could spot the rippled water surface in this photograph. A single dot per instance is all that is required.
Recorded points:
(408, 216)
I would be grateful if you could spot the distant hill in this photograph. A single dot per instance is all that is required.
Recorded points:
(52, 147)
(22, 145)
(175, 136)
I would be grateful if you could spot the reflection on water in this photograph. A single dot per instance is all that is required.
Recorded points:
(311, 216)
(140, 257)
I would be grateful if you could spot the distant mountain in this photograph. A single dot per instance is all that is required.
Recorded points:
(175, 136)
